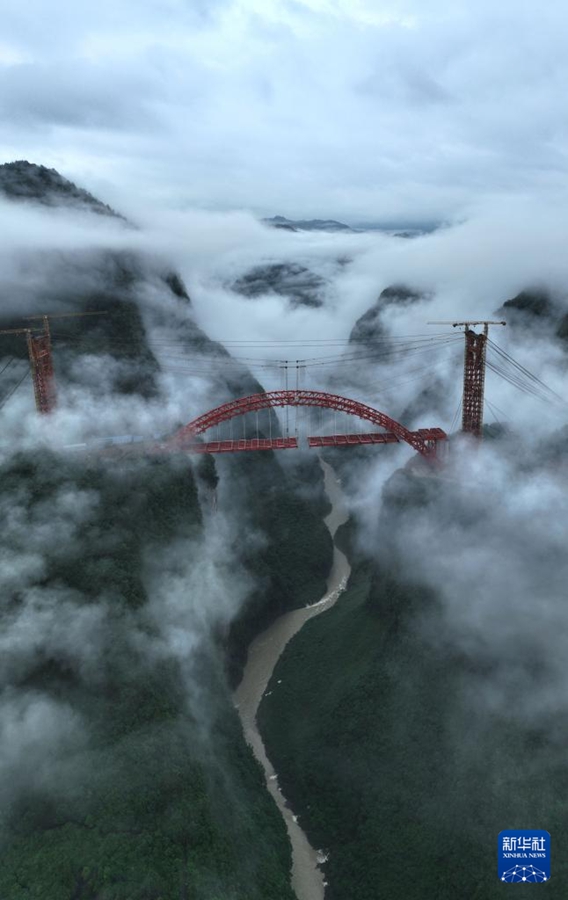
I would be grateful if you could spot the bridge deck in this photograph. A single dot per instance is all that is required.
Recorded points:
(373, 437)
(344, 440)
(234, 446)
(326, 440)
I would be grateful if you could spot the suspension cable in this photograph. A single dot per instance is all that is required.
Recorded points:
(14, 389)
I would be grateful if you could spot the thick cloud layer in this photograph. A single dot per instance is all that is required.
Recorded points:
(333, 107)
(466, 271)
(488, 540)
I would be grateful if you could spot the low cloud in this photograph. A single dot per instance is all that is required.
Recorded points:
(307, 108)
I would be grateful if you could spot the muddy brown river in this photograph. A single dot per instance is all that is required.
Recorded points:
(264, 652)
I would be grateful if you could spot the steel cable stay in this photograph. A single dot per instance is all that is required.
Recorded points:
(522, 372)
(9, 363)
(384, 354)
(388, 351)
(395, 351)
(419, 374)
(515, 362)
(11, 393)
(253, 342)
(456, 416)
(219, 360)
(204, 373)
(250, 342)
(528, 388)
(323, 345)
(316, 341)
(497, 413)
(517, 383)
(415, 373)
(500, 412)
(209, 364)
(353, 345)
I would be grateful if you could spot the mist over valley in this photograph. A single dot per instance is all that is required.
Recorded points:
(283, 450)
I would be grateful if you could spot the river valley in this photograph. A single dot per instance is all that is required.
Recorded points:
(264, 652)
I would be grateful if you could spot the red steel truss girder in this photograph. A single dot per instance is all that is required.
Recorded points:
(378, 437)
(342, 440)
(271, 399)
(234, 446)
(431, 434)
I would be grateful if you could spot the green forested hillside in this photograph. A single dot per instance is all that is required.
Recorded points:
(157, 795)
(283, 542)
(124, 774)
(382, 748)
(145, 789)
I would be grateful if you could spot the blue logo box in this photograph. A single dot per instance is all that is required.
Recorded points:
(523, 855)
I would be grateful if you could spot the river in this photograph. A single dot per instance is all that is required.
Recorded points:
(263, 654)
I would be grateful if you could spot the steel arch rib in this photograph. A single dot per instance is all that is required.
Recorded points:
(271, 399)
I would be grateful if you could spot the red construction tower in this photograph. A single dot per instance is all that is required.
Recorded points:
(41, 364)
(473, 374)
(473, 382)
(41, 361)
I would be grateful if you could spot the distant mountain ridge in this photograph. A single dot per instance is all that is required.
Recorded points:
(307, 224)
(400, 230)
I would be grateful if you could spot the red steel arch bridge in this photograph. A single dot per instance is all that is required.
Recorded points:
(423, 441)
(204, 434)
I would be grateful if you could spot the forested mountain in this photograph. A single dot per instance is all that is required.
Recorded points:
(129, 605)
(307, 224)
(389, 718)
(24, 181)
(369, 328)
(302, 287)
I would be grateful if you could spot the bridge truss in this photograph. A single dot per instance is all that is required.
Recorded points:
(423, 441)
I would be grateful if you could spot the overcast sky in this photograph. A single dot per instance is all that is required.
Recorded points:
(401, 110)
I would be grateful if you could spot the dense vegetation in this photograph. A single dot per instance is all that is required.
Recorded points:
(158, 797)
(301, 286)
(538, 311)
(291, 562)
(133, 781)
(21, 180)
(382, 750)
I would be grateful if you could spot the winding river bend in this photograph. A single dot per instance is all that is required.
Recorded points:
(263, 654)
